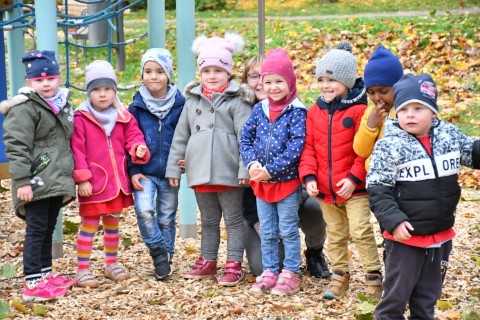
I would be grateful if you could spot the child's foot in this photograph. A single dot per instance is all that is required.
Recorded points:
(265, 282)
(373, 285)
(232, 274)
(59, 281)
(85, 278)
(288, 283)
(43, 291)
(338, 286)
(161, 262)
(202, 269)
(116, 272)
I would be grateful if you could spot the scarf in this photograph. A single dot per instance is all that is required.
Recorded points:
(159, 107)
(107, 118)
(58, 101)
(208, 92)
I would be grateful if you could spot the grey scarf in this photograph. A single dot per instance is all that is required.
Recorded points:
(107, 118)
(159, 107)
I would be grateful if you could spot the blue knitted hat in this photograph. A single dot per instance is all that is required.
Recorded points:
(40, 64)
(383, 69)
(415, 89)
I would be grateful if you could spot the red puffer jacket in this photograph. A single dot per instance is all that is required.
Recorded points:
(328, 155)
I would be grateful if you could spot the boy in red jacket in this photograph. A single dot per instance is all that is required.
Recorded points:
(334, 174)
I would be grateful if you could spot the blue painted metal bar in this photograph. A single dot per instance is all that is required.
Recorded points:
(16, 48)
(156, 23)
(47, 39)
(3, 95)
(186, 73)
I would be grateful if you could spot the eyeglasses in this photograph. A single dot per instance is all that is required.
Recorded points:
(253, 76)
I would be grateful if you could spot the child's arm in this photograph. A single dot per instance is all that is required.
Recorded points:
(357, 173)
(135, 142)
(249, 132)
(366, 135)
(178, 148)
(308, 165)
(241, 116)
(81, 172)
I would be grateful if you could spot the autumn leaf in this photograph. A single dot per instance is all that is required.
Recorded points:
(443, 305)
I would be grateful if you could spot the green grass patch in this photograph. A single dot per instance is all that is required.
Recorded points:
(469, 120)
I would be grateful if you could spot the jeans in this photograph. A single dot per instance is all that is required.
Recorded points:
(280, 220)
(156, 209)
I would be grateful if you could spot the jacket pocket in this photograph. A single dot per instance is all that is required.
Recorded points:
(99, 178)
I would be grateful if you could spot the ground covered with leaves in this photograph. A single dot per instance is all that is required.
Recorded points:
(142, 297)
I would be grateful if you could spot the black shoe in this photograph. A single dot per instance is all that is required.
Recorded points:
(162, 262)
(317, 264)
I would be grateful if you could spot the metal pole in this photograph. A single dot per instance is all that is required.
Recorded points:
(47, 39)
(186, 73)
(98, 31)
(156, 23)
(16, 49)
(3, 95)
(120, 38)
(261, 26)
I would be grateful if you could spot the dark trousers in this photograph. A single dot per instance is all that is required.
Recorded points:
(415, 276)
(41, 217)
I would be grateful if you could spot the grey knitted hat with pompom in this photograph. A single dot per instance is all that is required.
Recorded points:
(339, 64)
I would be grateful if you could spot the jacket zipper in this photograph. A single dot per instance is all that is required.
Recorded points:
(330, 119)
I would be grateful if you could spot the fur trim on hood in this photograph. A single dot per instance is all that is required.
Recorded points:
(246, 93)
(21, 97)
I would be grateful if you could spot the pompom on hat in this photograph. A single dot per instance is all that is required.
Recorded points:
(40, 64)
(416, 89)
(383, 69)
(99, 73)
(161, 56)
(339, 64)
(216, 51)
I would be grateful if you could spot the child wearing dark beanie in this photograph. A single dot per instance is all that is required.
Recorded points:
(382, 71)
(277, 124)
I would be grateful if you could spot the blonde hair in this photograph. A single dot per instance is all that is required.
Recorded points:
(254, 62)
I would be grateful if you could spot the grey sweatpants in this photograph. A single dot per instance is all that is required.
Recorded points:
(212, 205)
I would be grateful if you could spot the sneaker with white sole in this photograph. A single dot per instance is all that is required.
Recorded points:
(43, 291)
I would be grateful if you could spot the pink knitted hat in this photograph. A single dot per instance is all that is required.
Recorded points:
(217, 51)
(278, 62)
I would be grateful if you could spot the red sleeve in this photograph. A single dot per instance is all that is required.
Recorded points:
(308, 160)
(81, 173)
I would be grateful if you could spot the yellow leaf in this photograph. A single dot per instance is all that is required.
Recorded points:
(444, 305)
(20, 307)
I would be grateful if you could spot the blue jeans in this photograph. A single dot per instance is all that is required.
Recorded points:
(280, 220)
(156, 209)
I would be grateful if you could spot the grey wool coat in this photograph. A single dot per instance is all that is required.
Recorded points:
(38, 148)
(207, 136)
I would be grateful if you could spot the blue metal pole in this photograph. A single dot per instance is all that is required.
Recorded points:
(16, 49)
(186, 73)
(156, 23)
(47, 39)
(3, 95)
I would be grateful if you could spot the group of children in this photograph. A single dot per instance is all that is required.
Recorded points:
(226, 141)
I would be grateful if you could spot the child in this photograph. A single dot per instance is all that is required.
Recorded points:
(37, 131)
(335, 174)
(207, 138)
(382, 71)
(277, 124)
(156, 107)
(413, 191)
(104, 132)
(309, 212)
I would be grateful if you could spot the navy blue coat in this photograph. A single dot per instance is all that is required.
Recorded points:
(158, 142)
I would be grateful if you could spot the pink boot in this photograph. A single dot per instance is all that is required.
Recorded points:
(265, 282)
(288, 283)
(232, 274)
(202, 269)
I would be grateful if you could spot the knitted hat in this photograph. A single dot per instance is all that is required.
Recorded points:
(339, 64)
(217, 52)
(160, 56)
(278, 62)
(100, 73)
(383, 69)
(415, 89)
(40, 64)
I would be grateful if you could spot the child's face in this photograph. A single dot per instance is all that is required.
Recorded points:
(415, 118)
(381, 93)
(214, 77)
(47, 88)
(253, 80)
(275, 86)
(102, 98)
(155, 79)
(332, 88)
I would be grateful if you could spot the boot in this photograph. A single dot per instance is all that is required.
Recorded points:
(317, 264)
(338, 285)
(232, 274)
(161, 262)
(202, 269)
(373, 282)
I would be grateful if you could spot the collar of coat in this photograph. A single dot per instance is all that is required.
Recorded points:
(24, 94)
(356, 95)
(246, 93)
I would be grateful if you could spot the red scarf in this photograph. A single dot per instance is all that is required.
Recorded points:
(208, 92)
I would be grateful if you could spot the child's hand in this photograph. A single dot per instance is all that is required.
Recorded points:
(346, 188)
(141, 151)
(260, 175)
(25, 193)
(377, 115)
(243, 181)
(174, 182)
(85, 189)
(181, 164)
(254, 169)
(401, 231)
(136, 181)
(312, 188)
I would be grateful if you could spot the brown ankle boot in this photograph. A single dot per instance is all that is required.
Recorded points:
(338, 285)
(373, 282)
